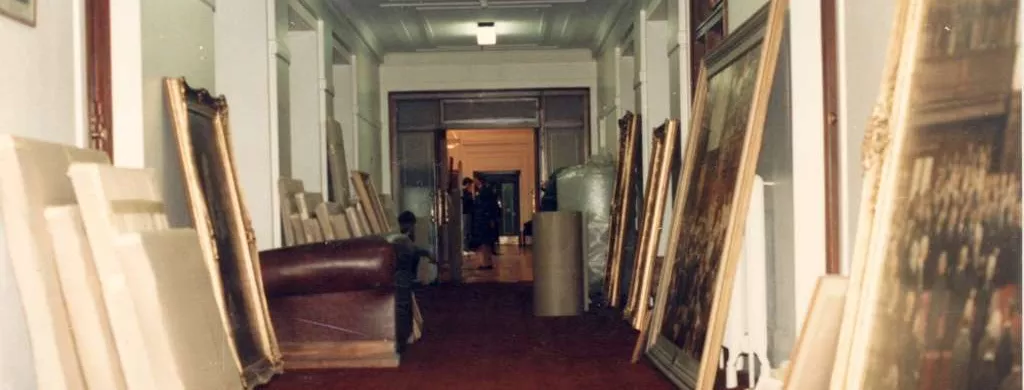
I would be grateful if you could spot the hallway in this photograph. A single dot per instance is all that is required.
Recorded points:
(513, 264)
(484, 336)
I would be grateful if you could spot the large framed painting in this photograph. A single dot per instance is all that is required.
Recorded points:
(200, 124)
(691, 304)
(939, 299)
(624, 213)
(637, 308)
(874, 144)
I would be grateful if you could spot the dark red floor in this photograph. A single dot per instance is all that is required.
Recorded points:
(484, 336)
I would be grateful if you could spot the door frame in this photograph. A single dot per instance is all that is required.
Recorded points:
(482, 95)
(833, 185)
(98, 77)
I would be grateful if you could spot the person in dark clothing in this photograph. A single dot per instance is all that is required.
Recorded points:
(407, 226)
(485, 227)
(468, 199)
(492, 201)
(468, 196)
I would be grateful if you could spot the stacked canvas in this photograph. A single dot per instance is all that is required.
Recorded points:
(32, 178)
(306, 218)
(114, 299)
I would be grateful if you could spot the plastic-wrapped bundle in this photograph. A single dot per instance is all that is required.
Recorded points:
(588, 189)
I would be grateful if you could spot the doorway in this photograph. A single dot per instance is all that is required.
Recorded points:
(507, 156)
(507, 185)
(428, 164)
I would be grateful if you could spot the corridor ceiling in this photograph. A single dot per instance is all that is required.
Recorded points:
(450, 25)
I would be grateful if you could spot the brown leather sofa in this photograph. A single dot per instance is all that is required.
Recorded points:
(344, 303)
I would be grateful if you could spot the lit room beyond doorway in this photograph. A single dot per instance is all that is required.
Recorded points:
(507, 160)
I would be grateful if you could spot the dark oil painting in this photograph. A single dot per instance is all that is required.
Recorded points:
(712, 187)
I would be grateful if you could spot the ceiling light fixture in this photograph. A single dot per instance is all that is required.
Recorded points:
(478, 3)
(486, 34)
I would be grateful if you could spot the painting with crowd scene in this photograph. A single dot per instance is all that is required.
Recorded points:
(938, 304)
(689, 318)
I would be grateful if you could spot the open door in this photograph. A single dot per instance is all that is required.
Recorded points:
(428, 190)
(444, 218)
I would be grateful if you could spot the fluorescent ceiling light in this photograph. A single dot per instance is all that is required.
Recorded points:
(477, 7)
(478, 3)
(486, 34)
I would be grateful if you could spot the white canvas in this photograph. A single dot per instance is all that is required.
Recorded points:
(161, 303)
(90, 325)
(178, 314)
(31, 179)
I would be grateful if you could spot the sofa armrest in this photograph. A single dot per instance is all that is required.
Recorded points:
(335, 266)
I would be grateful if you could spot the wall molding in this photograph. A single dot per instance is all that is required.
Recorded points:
(610, 28)
(371, 44)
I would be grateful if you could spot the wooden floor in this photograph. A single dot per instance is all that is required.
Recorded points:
(513, 265)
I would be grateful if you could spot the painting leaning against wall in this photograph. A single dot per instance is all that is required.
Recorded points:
(940, 306)
(714, 187)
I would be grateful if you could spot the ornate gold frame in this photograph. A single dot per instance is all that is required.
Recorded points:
(874, 146)
(622, 198)
(903, 104)
(764, 28)
(665, 140)
(241, 257)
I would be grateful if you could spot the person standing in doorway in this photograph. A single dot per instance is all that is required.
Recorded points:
(485, 213)
(468, 200)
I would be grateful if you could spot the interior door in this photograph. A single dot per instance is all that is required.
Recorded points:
(418, 182)
(443, 220)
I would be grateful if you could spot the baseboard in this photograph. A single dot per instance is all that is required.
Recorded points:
(341, 354)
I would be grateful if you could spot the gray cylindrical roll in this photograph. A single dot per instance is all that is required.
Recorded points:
(557, 264)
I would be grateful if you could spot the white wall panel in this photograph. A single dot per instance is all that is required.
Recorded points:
(151, 41)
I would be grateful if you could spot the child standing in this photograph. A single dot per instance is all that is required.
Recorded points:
(407, 225)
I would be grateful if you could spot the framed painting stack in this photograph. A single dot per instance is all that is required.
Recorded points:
(687, 324)
(663, 146)
(935, 289)
(624, 211)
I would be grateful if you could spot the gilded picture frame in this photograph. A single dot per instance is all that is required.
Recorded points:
(200, 125)
(691, 305)
(665, 139)
(874, 145)
(939, 272)
(623, 214)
